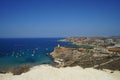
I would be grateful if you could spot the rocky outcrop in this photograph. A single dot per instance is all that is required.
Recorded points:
(85, 58)
(17, 70)
(20, 69)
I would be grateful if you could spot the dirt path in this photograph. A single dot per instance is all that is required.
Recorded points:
(102, 64)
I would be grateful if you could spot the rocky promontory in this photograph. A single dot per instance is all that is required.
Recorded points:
(98, 57)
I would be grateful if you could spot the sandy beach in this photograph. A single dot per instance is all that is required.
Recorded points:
(46, 72)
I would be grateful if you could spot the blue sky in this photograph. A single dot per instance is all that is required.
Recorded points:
(59, 18)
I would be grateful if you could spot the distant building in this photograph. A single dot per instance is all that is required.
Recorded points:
(115, 49)
(99, 41)
(109, 41)
(117, 45)
(118, 41)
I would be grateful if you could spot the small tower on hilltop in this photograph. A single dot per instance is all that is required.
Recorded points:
(58, 46)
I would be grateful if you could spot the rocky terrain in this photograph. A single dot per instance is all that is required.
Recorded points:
(17, 70)
(104, 55)
(85, 58)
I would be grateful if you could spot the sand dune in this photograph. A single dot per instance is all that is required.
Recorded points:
(46, 72)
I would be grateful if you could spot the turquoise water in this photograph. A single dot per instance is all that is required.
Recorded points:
(30, 51)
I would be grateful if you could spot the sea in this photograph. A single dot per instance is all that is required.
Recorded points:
(27, 51)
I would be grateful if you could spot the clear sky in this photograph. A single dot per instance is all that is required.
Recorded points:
(59, 18)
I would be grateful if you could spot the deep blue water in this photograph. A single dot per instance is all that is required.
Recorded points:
(31, 51)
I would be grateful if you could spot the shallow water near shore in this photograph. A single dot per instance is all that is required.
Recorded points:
(27, 51)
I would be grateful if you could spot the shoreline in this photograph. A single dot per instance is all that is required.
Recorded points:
(70, 64)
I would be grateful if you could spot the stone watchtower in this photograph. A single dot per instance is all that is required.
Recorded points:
(58, 46)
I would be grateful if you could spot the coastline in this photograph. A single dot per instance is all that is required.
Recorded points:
(79, 64)
(47, 72)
